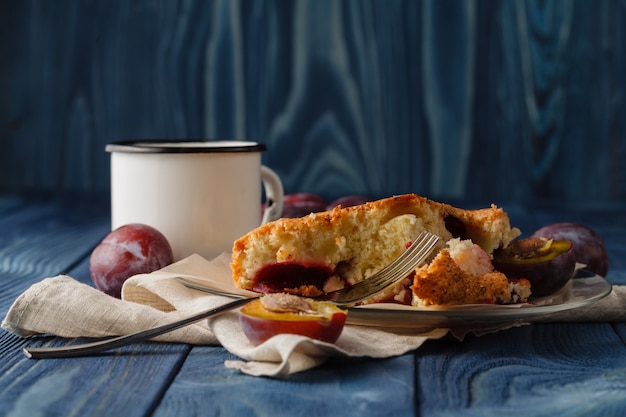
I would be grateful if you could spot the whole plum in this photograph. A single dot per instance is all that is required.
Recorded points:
(302, 204)
(588, 246)
(126, 251)
(348, 201)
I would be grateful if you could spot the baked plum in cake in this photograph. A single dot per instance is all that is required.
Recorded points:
(328, 250)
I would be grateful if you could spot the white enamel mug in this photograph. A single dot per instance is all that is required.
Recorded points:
(202, 195)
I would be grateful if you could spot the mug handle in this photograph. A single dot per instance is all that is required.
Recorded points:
(274, 195)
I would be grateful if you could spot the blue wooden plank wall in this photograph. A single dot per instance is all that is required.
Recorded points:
(482, 100)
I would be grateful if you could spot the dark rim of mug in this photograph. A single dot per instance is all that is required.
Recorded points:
(184, 146)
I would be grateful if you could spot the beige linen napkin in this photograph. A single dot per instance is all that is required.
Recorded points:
(65, 307)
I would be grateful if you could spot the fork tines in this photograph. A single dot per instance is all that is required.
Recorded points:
(397, 269)
(406, 262)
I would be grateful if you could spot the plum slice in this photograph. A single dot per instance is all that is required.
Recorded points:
(548, 264)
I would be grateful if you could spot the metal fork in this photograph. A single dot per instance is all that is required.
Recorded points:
(399, 268)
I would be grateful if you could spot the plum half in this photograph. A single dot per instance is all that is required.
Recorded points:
(547, 263)
(281, 313)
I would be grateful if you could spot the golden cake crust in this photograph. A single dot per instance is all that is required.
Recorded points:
(443, 282)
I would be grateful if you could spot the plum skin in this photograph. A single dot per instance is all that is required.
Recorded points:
(348, 201)
(259, 325)
(128, 250)
(301, 204)
(303, 197)
(588, 246)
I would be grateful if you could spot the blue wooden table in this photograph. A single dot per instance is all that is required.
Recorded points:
(538, 370)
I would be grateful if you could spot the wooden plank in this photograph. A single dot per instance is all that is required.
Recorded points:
(480, 99)
(44, 238)
(128, 382)
(339, 388)
(540, 370)
(9, 203)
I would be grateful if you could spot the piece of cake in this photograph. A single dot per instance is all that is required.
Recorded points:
(462, 273)
(326, 251)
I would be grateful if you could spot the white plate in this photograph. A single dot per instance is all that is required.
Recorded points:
(583, 289)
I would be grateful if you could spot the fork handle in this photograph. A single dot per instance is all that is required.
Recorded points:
(86, 349)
